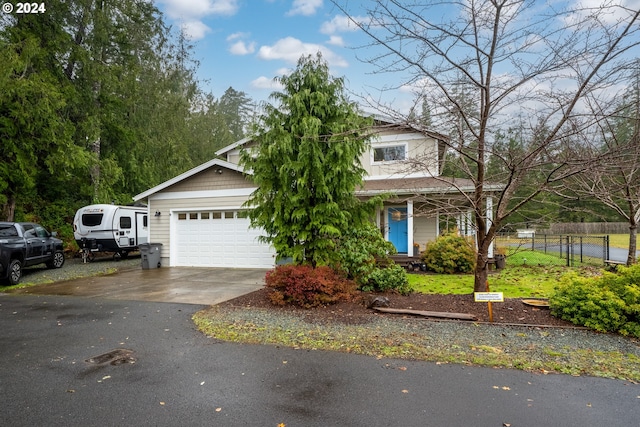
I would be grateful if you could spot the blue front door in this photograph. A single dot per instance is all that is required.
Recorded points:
(398, 235)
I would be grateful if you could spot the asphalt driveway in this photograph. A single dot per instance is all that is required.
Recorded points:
(188, 285)
(53, 374)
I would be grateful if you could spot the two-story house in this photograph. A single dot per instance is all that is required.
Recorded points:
(198, 215)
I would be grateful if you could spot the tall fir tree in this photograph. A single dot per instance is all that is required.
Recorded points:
(306, 165)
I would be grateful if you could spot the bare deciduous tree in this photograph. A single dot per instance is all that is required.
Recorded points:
(487, 66)
(616, 182)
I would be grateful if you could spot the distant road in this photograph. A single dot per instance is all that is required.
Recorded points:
(594, 250)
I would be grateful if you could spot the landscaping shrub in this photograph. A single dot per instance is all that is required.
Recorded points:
(607, 303)
(363, 256)
(391, 278)
(449, 254)
(358, 251)
(308, 287)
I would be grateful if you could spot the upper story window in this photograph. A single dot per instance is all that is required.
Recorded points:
(390, 153)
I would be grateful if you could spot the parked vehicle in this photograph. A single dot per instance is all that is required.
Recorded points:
(23, 244)
(110, 228)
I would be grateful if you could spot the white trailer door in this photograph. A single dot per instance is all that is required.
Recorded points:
(142, 228)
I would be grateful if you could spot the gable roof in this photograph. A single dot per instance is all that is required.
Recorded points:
(190, 173)
(381, 123)
(233, 146)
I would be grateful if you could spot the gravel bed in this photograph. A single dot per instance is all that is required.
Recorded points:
(442, 334)
(74, 268)
(575, 351)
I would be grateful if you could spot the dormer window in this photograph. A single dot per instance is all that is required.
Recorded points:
(390, 153)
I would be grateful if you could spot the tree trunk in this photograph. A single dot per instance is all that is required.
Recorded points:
(95, 170)
(633, 232)
(9, 209)
(482, 268)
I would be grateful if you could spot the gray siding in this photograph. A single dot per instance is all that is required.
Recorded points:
(210, 179)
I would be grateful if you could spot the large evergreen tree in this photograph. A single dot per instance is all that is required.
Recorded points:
(306, 164)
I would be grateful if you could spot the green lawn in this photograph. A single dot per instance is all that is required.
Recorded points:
(517, 280)
(619, 241)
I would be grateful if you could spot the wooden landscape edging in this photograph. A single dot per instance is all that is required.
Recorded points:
(440, 314)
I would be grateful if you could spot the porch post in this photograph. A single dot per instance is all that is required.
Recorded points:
(490, 221)
(410, 227)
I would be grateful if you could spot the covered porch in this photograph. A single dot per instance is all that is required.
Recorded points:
(415, 207)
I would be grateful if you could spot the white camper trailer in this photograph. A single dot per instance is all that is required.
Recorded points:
(110, 228)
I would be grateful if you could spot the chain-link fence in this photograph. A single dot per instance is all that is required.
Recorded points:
(555, 249)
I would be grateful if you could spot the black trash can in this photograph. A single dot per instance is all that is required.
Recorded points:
(150, 255)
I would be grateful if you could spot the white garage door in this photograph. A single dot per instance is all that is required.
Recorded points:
(218, 239)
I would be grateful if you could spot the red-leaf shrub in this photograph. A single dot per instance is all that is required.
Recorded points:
(307, 287)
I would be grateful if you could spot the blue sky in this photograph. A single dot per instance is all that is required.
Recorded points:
(246, 43)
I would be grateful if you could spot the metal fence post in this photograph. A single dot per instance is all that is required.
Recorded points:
(568, 258)
(581, 261)
(561, 246)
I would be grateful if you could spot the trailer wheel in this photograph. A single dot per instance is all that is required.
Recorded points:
(15, 272)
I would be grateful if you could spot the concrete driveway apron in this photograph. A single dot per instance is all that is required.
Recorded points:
(188, 285)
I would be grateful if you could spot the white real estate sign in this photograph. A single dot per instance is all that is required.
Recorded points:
(488, 297)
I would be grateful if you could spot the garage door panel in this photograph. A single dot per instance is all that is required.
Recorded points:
(219, 241)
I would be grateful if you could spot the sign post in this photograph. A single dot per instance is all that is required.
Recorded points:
(489, 297)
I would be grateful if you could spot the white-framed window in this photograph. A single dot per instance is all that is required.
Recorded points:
(389, 153)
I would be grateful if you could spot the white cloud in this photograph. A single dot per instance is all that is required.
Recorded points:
(191, 13)
(239, 45)
(186, 9)
(242, 48)
(336, 41)
(291, 49)
(237, 36)
(304, 7)
(265, 83)
(610, 12)
(194, 30)
(341, 24)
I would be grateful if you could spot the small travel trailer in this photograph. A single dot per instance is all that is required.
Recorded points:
(110, 228)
